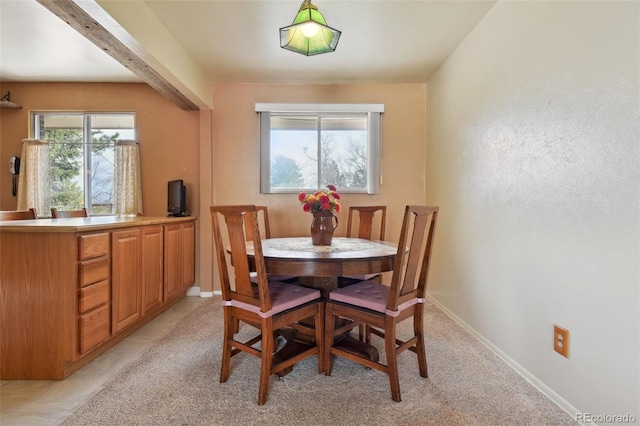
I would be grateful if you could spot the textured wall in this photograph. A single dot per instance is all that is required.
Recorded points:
(533, 156)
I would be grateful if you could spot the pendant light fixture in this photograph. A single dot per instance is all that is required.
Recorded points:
(309, 33)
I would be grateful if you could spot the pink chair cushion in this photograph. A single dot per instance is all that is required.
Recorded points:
(283, 297)
(365, 294)
(370, 295)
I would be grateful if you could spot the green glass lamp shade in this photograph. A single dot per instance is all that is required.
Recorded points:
(309, 33)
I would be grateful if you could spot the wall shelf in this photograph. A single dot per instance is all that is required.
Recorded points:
(5, 102)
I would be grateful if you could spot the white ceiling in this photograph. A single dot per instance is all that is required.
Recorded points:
(36, 45)
(390, 41)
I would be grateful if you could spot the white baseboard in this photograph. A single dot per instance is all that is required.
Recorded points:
(195, 291)
(546, 390)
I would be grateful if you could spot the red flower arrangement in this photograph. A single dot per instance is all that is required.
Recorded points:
(320, 201)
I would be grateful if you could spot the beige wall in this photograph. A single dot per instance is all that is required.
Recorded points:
(533, 157)
(204, 249)
(169, 137)
(236, 150)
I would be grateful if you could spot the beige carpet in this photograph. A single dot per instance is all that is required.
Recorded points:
(176, 383)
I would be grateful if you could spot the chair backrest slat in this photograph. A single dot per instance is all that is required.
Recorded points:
(413, 258)
(261, 212)
(235, 225)
(18, 215)
(366, 216)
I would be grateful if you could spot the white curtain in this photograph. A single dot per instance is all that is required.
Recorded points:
(128, 182)
(33, 183)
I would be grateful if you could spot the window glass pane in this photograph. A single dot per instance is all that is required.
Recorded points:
(64, 133)
(294, 152)
(344, 152)
(101, 176)
(106, 129)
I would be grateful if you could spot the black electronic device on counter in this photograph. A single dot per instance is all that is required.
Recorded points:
(177, 198)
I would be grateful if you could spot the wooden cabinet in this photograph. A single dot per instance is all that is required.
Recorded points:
(179, 264)
(72, 288)
(152, 268)
(126, 289)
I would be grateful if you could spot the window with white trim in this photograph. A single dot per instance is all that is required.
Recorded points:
(305, 147)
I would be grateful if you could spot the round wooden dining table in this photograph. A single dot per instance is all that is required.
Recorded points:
(319, 267)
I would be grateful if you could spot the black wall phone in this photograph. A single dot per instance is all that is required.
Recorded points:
(14, 168)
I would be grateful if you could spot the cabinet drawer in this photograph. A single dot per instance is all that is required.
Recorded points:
(94, 271)
(93, 328)
(93, 296)
(93, 245)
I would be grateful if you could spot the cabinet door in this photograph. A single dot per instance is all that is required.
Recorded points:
(172, 260)
(125, 278)
(152, 268)
(188, 255)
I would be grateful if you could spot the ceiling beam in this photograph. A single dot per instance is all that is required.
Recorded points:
(80, 20)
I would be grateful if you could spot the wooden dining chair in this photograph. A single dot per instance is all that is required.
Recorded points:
(262, 213)
(18, 214)
(382, 307)
(55, 213)
(365, 220)
(275, 306)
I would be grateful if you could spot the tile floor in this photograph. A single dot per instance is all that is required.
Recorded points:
(49, 402)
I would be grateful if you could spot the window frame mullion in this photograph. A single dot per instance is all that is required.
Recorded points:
(87, 153)
(319, 149)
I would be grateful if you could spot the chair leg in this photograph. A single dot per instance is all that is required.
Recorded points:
(329, 327)
(418, 329)
(225, 368)
(265, 361)
(392, 361)
(319, 325)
